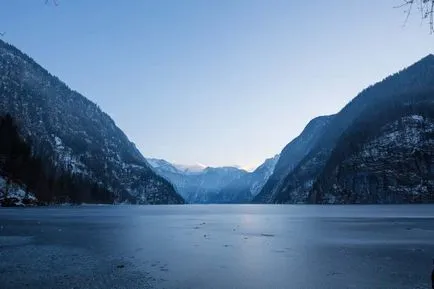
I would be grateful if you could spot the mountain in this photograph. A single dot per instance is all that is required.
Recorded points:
(215, 185)
(26, 179)
(162, 166)
(291, 156)
(355, 159)
(196, 168)
(385, 156)
(199, 186)
(66, 129)
(165, 166)
(244, 189)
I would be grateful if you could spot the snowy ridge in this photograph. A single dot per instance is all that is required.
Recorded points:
(201, 185)
(248, 186)
(215, 185)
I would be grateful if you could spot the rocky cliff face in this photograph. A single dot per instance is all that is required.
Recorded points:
(386, 156)
(337, 154)
(396, 166)
(72, 132)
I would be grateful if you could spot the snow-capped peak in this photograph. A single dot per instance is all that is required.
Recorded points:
(196, 168)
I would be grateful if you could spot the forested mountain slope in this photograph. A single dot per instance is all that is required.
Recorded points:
(386, 156)
(73, 134)
(418, 79)
(291, 156)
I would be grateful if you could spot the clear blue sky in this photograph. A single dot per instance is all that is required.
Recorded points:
(219, 82)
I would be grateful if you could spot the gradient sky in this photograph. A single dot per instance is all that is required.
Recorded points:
(219, 82)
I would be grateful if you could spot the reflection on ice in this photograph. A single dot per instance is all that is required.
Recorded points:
(251, 247)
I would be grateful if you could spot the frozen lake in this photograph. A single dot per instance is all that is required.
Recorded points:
(217, 246)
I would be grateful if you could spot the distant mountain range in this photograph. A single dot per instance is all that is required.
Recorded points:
(74, 137)
(214, 185)
(244, 189)
(378, 149)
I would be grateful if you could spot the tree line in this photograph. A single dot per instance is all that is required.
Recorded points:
(40, 176)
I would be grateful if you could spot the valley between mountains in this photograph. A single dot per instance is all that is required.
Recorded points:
(56, 146)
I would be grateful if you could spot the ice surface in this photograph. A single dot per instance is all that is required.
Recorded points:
(196, 247)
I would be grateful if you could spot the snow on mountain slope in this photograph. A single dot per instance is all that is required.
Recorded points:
(198, 185)
(74, 133)
(247, 187)
(262, 174)
(15, 195)
(385, 157)
(324, 170)
(196, 168)
(215, 185)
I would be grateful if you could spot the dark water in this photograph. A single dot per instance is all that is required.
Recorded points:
(245, 247)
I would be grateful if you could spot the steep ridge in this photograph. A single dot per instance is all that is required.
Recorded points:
(385, 156)
(291, 156)
(244, 189)
(74, 134)
(297, 186)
